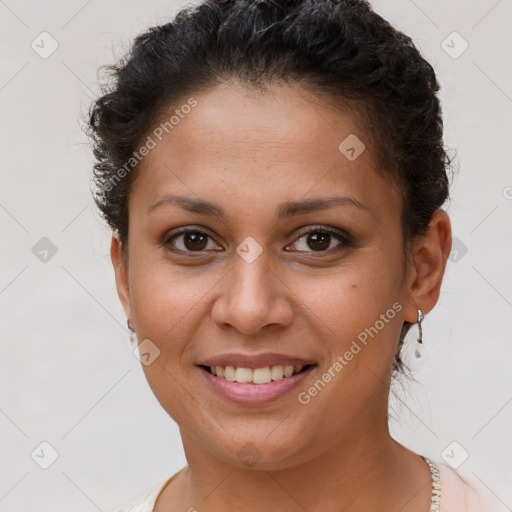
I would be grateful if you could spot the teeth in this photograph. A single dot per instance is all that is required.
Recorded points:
(262, 375)
(229, 373)
(258, 375)
(276, 372)
(243, 375)
(288, 371)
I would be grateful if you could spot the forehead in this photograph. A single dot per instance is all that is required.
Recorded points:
(245, 146)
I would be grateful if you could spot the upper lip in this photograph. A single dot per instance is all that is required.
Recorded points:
(253, 361)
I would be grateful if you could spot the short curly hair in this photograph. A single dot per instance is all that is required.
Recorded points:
(340, 49)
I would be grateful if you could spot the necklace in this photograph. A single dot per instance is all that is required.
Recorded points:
(435, 502)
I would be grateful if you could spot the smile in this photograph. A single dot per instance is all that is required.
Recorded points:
(257, 386)
(262, 375)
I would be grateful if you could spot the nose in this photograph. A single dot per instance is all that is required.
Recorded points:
(253, 297)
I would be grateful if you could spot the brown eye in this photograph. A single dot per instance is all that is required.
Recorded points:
(191, 240)
(194, 241)
(320, 240)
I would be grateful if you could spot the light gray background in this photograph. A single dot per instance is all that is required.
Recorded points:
(68, 375)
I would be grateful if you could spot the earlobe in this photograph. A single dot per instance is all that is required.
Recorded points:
(430, 254)
(121, 273)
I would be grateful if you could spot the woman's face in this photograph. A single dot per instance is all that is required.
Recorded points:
(253, 280)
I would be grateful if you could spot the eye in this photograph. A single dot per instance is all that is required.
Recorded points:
(319, 239)
(192, 240)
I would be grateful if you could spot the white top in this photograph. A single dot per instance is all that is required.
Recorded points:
(458, 494)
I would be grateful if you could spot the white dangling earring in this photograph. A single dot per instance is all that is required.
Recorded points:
(417, 353)
(133, 336)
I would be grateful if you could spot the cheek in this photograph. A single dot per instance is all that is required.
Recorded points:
(355, 314)
(164, 297)
(168, 307)
(350, 298)
(157, 303)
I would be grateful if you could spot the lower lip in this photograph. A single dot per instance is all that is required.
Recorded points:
(255, 394)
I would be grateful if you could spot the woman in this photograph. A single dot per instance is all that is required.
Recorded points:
(273, 173)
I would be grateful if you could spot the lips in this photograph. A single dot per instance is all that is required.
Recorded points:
(250, 394)
(254, 361)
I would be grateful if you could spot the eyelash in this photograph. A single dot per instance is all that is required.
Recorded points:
(345, 239)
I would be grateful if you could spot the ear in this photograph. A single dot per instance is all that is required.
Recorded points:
(429, 256)
(121, 274)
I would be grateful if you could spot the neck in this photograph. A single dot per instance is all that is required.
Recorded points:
(363, 472)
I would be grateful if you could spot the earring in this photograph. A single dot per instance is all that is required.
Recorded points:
(133, 336)
(417, 353)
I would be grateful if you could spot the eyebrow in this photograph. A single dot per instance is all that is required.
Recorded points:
(285, 210)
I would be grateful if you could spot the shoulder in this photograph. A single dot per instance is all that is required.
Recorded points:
(146, 501)
(463, 492)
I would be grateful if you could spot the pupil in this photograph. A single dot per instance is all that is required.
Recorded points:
(319, 238)
(194, 238)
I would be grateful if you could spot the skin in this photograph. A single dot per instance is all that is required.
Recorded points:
(247, 152)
